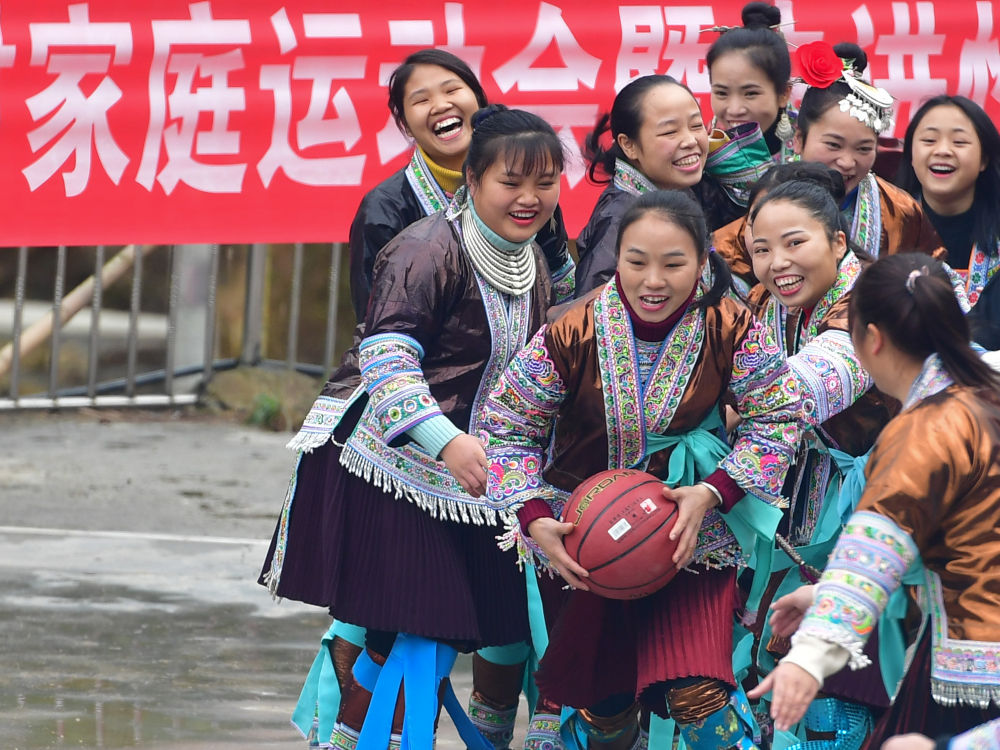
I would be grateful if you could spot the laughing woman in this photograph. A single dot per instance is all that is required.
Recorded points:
(807, 271)
(659, 143)
(839, 122)
(432, 97)
(951, 163)
(384, 522)
(634, 377)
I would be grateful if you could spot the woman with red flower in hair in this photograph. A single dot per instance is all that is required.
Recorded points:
(839, 122)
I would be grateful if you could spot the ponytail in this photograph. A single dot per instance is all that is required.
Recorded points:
(722, 281)
(910, 298)
(601, 158)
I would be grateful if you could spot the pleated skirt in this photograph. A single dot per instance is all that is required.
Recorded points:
(915, 709)
(383, 563)
(599, 648)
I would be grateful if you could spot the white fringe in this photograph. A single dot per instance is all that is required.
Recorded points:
(307, 441)
(437, 507)
(952, 693)
(855, 648)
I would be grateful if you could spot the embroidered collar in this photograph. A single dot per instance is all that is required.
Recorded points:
(450, 180)
(429, 193)
(630, 180)
(982, 267)
(933, 378)
(652, 332)
(847, 275)
(866, 224)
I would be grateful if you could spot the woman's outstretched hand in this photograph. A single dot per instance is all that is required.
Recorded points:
(548, 534)
(794, 689)
(788, 611)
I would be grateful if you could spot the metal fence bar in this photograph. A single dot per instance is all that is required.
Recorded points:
(213, 280)
(133, 326)
(174, 295)
(294, 306)
(253, 308)
(19, 289)
(333, 302)
(95, 323)
(57, 298)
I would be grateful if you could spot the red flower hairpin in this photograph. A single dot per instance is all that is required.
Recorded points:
(819, 64)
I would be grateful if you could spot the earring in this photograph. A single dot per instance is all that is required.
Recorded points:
(784, 130)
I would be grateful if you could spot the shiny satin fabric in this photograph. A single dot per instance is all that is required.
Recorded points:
(424, 287)
(935, 471)
(581, 440)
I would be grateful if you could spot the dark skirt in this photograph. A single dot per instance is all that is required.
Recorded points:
(601, 647)
(383, 563)
(915, 709)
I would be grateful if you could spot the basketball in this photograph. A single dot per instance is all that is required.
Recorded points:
(621, 533)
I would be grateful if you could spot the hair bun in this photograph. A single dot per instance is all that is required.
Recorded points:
(851, 51)
(760, 16)
(486, 113)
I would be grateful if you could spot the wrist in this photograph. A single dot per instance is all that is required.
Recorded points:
(716, 496)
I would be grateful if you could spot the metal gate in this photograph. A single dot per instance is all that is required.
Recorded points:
(278, 295)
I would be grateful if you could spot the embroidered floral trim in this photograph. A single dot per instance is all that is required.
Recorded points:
(273, 575)
(866, 566)
(982, 268)
(630, 409)
(429, 194)
(866, 227)
(966, 672)
(323, 417)
(630, 180)
(984, 737)
(933, 378)
(391, 373)
(564, 282)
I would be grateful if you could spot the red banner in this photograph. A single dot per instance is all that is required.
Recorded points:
(226, 121)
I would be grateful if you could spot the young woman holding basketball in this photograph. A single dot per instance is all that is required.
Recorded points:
(929, 517)
(634, 377)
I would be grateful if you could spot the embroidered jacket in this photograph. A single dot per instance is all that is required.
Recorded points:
(437, 338)
(411, 194)
(843, 408)
(933, 491)
(581, 374)
(898, 225)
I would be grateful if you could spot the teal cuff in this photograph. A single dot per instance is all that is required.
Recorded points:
(434, 433)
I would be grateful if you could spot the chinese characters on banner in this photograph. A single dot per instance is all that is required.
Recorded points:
(225, 121)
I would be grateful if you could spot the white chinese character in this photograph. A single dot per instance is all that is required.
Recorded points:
(182, 138)
(563, 118)
(315, 127)
(76, 122)
(642, 41)
(391, 143)
(550, 28)
(684, 48)
(793, 36)
(916, 46)
(979, 60)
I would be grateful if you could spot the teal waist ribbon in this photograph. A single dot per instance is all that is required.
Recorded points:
(853, 470)
(696, 454)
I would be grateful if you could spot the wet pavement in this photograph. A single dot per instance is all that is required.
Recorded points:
(130, 544)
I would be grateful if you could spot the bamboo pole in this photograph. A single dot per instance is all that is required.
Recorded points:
(39, 331)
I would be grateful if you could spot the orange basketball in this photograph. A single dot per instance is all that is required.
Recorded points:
(622, 533)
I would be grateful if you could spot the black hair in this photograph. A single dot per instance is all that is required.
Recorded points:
(680, 209)
(520, 136)
(920, 317)
(985, 217)
(625, 117)
(816, 101)
(801, 171)
(762, 44)
(401, 76)
(821, 206)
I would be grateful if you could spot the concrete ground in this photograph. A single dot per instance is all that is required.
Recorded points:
(130, 544)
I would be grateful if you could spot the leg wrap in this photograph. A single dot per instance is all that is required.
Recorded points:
(495, 724)
(708, 723)
(845, 724)
(543, 731)
(609, 729)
